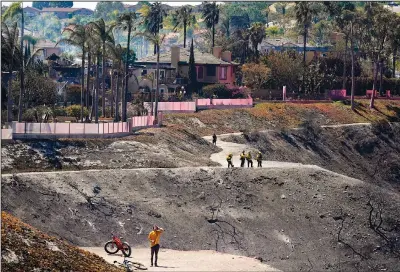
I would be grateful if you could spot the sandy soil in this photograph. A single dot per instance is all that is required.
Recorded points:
(174, 260)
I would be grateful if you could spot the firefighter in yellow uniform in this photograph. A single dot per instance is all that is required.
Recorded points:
(242, 159)
(229, 160)
(249, 160)
(259, 159)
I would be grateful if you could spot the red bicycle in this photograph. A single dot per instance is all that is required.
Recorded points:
(116, 244)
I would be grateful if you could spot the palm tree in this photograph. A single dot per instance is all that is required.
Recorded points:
(153, 15)
(157, 40)
(183, 18)
(78, 36)
(256, 35)
(116, 53)
(104, 34)
(211, 17)
(13, 10)
(126, 21)
(9, 53)
(304, 12)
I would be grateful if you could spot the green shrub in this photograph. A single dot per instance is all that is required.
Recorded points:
(59, 111)
(75, 111)
(220, 90)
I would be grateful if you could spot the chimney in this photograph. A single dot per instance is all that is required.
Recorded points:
(227, 56)
(175, 53)
(217, 51)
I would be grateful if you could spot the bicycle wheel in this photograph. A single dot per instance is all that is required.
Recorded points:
(126, 249)
(139, 266)
(110, 247)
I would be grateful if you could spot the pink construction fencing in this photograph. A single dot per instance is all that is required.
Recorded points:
(6, 134)
(337, 94)
(200, 104)
(142, 121)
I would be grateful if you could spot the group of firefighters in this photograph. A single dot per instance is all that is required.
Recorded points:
(243, 158)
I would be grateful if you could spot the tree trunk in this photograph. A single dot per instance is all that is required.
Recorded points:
(157, 86)
(112, 93)
(83, 80)
(380, 79)
(125, 92)
(184, 34)
(394, 62)
(117, 99)
(22, 76)
(344, 65)
(9, 97)
(88, 80)
(96, 94)
(304, 44)
(352, 69)
(213, 36)
(371, 104)
(103, 75)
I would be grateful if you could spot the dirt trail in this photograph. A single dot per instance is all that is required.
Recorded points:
(175, 260)
(236, 149)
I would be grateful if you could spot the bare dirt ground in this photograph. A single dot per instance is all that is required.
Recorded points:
(152, 148)
(292, 218)
(175, 260)
(365, 151)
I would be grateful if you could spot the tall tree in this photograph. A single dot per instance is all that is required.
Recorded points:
(157, 40)
(153, 15)
(78, 36)
(304, 13)
(182, 18)
(13, 11)
(394, 41)
(104, 34)
(257, 34)
(9, 57)
(374, 35)
(341, 13)
(127, 22)
(211, 17)
(192, 84)
(117, 55)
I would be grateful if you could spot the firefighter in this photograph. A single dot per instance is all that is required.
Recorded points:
(229, 160)
(214, 137)
(242, 159)
(259, 159)
(249, 160)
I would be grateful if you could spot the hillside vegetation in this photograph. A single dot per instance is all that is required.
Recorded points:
(281, 115)
(24, 248)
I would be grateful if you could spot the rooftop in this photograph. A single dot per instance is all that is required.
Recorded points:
(199, 57)
(45, 43)
(60, 9)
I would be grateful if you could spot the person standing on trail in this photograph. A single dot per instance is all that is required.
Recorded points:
(229, 160)
(242, 159)
(249, 160)
(214, 139)
(154, 238)
(259, 159)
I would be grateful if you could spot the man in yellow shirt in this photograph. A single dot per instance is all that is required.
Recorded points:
(154, 238)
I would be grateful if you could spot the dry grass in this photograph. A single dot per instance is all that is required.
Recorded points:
(289, 115)
(35, 251)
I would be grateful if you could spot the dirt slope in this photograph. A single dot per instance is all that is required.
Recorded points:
(24, 248)
(290, 217)
(370, 153)
(154, 148)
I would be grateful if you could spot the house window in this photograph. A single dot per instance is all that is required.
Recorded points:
(144, 72)
(211, 70)
(223, 72)
(162, 74)
(200, 73)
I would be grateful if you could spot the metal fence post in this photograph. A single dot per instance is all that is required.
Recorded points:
(69, 130)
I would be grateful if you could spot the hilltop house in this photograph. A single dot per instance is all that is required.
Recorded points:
(65, 13)
(174, 68)
(48, 47)
(281, 44)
